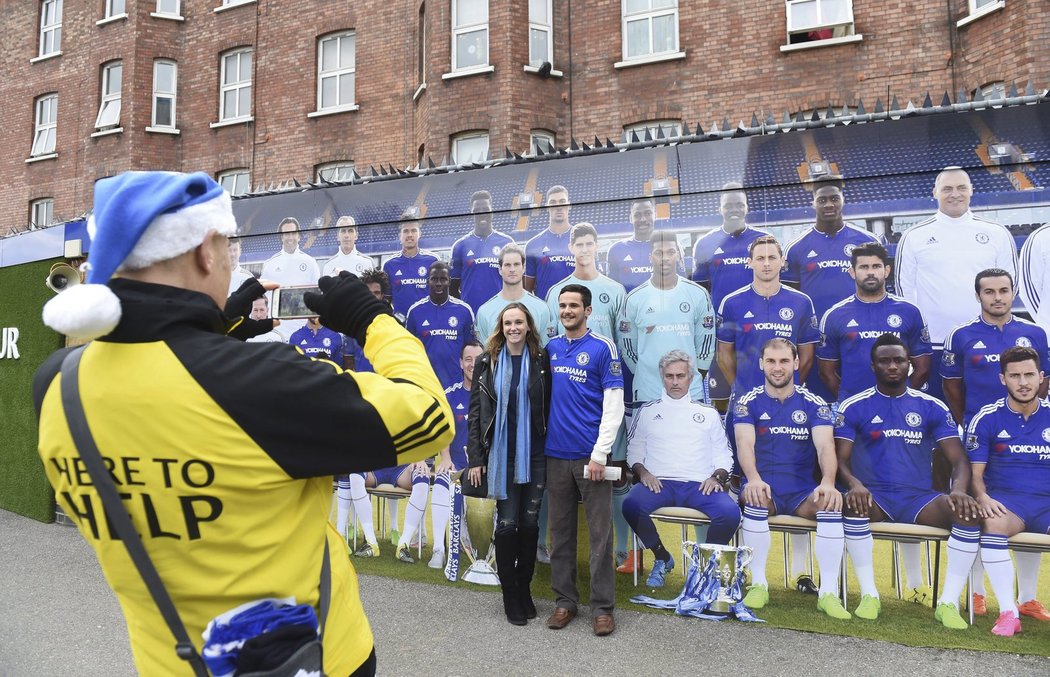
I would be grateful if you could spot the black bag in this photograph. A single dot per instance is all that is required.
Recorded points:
(480, 490)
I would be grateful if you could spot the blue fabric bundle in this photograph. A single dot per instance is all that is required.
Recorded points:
(226, 634)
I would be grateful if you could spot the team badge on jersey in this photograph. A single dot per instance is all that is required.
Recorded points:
(894, 321)
(603, 297)
(982, 238)
(798, 416)
(925, 336)
(625, 326)
(913, 419)
(840, 420)
(712, 382)
(971, 440)
(948, 358)
(422, 271)
(1023, 342)
(495, 250)
(1046, 434)
(615, 368)
(582, 359)
(848, 250)
(786, 314)
(452, 322)
(302, 267)
(741, 410)
(824, 412)
(684, 307)
(709, 322)
(327, 342)
(699, 418)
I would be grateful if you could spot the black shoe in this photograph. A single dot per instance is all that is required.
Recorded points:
(506, 556)
(804, 584)
(526, 566)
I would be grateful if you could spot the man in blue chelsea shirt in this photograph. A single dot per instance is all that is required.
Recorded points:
(475, 256)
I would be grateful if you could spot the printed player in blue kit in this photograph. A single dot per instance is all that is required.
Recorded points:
(407, 271)
(475, 256)
(444, 324)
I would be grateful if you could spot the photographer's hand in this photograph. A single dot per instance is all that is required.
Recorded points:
(346, 305)
(239, 307)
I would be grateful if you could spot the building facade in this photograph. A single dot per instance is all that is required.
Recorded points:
(258, 92)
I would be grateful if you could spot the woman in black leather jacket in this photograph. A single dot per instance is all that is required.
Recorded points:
(507, 427)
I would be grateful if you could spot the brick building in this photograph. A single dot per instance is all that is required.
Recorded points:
(264, 91)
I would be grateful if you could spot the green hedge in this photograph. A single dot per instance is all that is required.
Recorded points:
(23, 487)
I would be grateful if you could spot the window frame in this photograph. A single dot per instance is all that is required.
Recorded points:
(548, 28)
(546, 135)
(108, 10)
(52, 29)
(237, 86)
(339, 166)
(652, 125)
(820, 23)
(34, 205)
(464, 137)
(107, 97)
(176, 13)
(648, 15)
(336, 73)
(173, 94)
(44, 127)
(458, 31)
(236, 173)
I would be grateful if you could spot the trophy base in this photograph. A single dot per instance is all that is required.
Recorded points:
(481, 573)
(721, 608)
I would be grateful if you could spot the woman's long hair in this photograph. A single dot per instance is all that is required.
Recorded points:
(495, 343)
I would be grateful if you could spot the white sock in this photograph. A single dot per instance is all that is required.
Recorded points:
(756, 536)
(440, 508)
(996, 557)
(828, 550)
(362, 506)
(962, 551)
(343, 505)
(799, 554)
(978, 578)
(912, 556)
(391, 511)
(1027, 564)
(860, 545)
(417, 505)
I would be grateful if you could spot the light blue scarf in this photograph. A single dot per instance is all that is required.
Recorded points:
(523, 435)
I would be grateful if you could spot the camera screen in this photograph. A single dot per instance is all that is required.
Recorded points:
(290, 302)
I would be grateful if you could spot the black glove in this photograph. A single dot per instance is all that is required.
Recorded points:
(239, 307)
(346, 305)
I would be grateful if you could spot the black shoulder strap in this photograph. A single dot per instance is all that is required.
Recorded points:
(118, 516)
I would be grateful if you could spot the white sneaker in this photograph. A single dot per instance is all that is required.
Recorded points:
(437, 560)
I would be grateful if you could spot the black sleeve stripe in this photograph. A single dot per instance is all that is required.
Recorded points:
(426, 432)
(430, 438)
(435, 407)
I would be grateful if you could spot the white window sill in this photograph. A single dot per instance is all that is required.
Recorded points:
(223, 8)
(419, 91)
(466, 72)
(107, 132)
(815, 44)
(169, 17)
(654, 58)
(553, 73)
(163, 130)
(227, 123)
(981, 13)
(111, 19)
(332, 111)
(45, 57)
(41, 158)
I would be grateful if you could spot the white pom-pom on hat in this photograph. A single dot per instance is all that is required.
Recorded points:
(85, 311)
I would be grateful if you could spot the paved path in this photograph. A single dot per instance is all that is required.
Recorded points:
(59, 618)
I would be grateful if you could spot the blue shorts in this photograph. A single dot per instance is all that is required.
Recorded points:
(786, 499)
(904, 504)
(1034, 513)
(389, 475)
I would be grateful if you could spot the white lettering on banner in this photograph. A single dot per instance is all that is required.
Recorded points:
(910, 436)
(574, 373)
(1029, 449)
(9, 343)
(778, 327)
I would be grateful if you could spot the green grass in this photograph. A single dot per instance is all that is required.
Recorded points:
(901, 622)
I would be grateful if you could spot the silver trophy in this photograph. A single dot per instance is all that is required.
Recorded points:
(721, 570)
(477, 538)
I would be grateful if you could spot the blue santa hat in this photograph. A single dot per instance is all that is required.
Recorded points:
(139, 218)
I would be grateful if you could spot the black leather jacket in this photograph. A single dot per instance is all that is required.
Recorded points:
(482, 415)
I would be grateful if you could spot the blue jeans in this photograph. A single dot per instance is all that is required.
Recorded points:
(521, 507)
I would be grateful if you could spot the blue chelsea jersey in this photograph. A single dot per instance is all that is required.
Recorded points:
(851, 327)
(971, 352)
(459, 400)
(352, 348)
(894, 437)
(581, 371)
(324, 344)
(408, 279)
(628, 262)
(1016, 452)
(747, 320)
(475, 263)
(548, 259)
(444, 330)
(820, 264)
(785, 455)
(720, 261)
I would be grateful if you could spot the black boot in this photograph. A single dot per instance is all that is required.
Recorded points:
(506, 554)
(528, 537)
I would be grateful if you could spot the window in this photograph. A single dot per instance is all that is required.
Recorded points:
(50, 27)
(235, 97)
(336, 171)
(650, 27)
(813, 20)
(46, 125)
(470, 34)
(234, 181)
(227, 3)
(114, 8)
(164, 78)
(540, 142)
(335, 72)
(41, 213)
(109, 109)
(421, 46)
(168, 7)
(470, 147)
(992, 90)
(669, 128)
(978, 5)
(541, 46)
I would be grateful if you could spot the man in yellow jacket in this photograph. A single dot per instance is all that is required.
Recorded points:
(223, 451)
